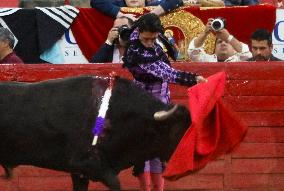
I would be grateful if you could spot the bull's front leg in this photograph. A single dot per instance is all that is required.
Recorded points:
(79, 183)
(8, 171)
(110, 179)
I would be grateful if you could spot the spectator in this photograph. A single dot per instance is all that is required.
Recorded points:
(280, 4)
(40, 3)
(151, 70)
(240, 2)
(211, 3)
(7, 54)
(261, 46)
(112, 7)
(53, 3)
(113, 48)
(227, 47)
(80, 3)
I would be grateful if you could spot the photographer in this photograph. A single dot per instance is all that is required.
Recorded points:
(227, 47)
(113, 48)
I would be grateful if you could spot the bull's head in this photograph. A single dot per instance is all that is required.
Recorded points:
(138, 127)
(173, 124)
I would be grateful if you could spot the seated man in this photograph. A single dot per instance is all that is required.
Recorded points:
(227, 47)
(261, 46)
(114, 47)
(112, 7)
(7, 54)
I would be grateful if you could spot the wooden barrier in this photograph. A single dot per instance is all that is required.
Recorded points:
(9, 3)
(254, 90)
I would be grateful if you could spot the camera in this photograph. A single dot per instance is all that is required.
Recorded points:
(218, 23)
(124, 32)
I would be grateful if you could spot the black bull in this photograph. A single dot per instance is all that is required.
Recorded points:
(49, 124)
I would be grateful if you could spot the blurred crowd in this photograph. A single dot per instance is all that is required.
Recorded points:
(86, 3)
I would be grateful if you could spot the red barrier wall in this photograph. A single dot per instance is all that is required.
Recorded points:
(254, 90)
(9, 3)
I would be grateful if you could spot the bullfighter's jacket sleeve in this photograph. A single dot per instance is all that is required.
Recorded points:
(165, 72)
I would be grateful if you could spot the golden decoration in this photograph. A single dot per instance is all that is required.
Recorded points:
(137, 10)
(190, 26)
(170, 32)
(212, 3)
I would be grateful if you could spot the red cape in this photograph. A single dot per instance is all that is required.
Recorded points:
(214, 131)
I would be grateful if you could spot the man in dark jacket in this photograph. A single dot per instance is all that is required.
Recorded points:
(261, 46)
(113, 48)
(112, 7)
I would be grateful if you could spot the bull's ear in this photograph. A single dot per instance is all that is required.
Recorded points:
(163, 115)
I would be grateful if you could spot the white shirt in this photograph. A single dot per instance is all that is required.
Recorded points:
(199, 54)
(116, 58)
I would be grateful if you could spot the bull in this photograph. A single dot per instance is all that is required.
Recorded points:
(49, 124)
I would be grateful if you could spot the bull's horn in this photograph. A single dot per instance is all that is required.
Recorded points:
(162, 115)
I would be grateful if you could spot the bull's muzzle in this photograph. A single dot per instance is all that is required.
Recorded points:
(163, 115)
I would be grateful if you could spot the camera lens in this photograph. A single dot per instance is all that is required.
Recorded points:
(217, 24)
(124, 32)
